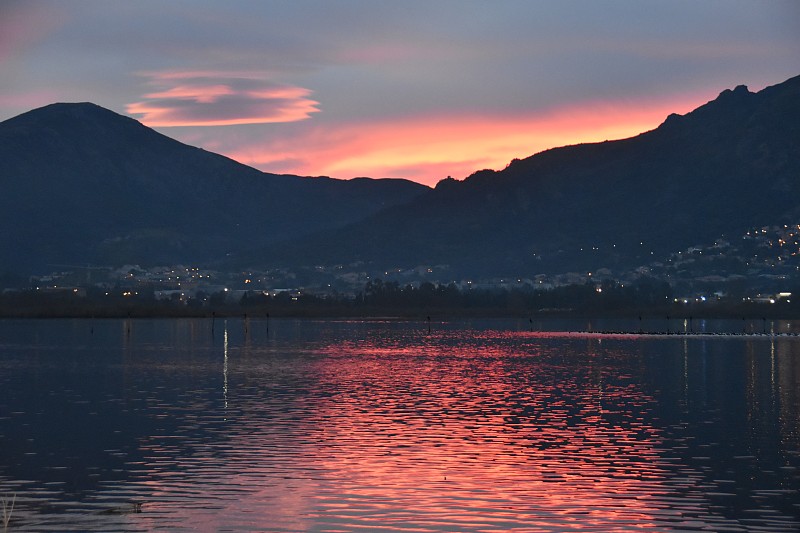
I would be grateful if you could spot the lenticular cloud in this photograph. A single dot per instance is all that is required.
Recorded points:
(220, 99)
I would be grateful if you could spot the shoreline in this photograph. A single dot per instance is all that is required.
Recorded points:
(384, 314)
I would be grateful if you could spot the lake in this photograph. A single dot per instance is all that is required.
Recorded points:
(481, 425)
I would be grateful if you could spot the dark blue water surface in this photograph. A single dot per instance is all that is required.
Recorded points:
(290, 425)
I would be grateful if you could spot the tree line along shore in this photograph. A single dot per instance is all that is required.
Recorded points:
(648, 298)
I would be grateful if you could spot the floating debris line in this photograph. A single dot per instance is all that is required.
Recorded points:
(678, 334)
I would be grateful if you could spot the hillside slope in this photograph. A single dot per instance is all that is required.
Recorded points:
(730, 164)
(82, 184)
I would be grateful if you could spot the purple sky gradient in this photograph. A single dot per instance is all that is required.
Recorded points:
(415, 89)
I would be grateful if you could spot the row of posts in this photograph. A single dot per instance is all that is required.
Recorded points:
(246, 325)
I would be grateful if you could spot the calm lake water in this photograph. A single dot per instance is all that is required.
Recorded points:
(289, 425)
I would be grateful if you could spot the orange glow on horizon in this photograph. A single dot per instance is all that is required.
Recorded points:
(429, 148)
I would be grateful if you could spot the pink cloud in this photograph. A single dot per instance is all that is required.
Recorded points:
(220, 99)
(205, 95)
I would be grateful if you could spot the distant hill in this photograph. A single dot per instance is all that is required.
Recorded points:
(729, 165)
(81, 184)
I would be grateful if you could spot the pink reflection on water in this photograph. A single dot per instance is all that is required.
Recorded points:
(483, 431)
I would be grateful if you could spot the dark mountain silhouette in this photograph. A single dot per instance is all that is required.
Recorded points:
(731, 164)
(81, 184)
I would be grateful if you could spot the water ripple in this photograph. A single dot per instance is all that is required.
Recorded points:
(349, 426)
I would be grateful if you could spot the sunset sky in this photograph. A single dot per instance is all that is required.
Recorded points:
(414, 89)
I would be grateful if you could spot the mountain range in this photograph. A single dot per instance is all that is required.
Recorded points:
(729, 165)
(84, 185)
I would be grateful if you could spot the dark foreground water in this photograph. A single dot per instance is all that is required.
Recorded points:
(360, 426)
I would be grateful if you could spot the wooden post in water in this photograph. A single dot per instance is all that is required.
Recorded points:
(429, 325)
(668, 326)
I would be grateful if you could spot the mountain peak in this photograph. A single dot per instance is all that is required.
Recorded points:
(73, 107)
(738, 99)
(80, 119)
(70, 109)
(83, 184)
(740, 91)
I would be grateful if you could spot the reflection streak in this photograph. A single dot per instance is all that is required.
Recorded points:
(225, 364)
(440, 434)
(338, 427)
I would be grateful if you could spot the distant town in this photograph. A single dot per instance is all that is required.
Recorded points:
(754, 273)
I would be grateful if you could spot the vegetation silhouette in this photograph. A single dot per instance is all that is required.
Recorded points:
(647, 297)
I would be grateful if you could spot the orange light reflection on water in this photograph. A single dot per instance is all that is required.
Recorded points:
(448, 432)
